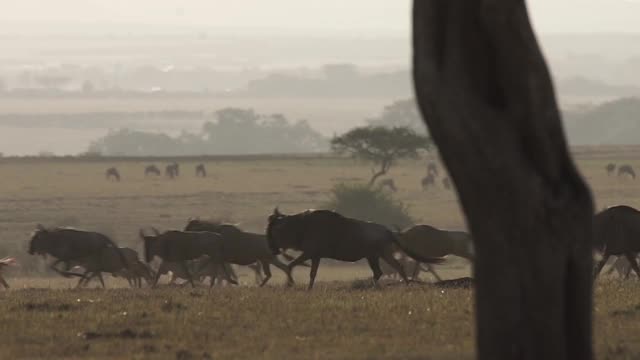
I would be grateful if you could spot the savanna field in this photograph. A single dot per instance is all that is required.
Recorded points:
(343, 317)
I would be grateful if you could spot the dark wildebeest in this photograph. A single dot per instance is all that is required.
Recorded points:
(616, 231)
(5, 262)
(70, 246)
(611, 167)
(112, 173)
(151, 170)
(172, 170)
(243, 248)
(432, 169)
(389, 184)
(327, 234)
(182, 246)
(446, 183)
(201, 171)
(109, 261)
(430, 242)
(626, 170)
(427, 181)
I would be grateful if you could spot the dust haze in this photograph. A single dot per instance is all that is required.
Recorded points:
(81, 76)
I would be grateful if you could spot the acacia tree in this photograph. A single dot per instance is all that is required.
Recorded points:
(486, 94)
(381, 145)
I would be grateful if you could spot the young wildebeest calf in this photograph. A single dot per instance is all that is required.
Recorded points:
(182, 246)
(112, 173)
(72, 246)
(611, 167)
(327, 234)
(243, 248)
(616, 231)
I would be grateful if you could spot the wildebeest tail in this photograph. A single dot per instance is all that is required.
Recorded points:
(414, 255)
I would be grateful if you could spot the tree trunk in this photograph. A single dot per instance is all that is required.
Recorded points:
(486, 95)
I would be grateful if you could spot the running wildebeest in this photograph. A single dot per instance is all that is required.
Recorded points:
(388, 183)
(5, 262)
(243, 248)
(182, 246)
(112, 173)
(626, 170)
(611, 167)
(201, 171)
(616, 231)
(430, 242)
(327, 234)
(446, 183)
(109, 260)
(151, 170)
(432, 169)
(172, 170)
(69, 245)
(427, 181)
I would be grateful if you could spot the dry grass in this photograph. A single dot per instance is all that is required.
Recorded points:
(42, 317)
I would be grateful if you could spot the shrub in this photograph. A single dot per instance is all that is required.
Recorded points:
(362, 202)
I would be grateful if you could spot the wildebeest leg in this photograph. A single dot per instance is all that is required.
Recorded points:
(85, 278)
(416, 271)
(101, 279)
(267, 272)
(284, 268)
(157, 277)
(315, 262)
(3, 282)
(185, 268)
(227, 276)
(433, 271)
(634, 264)
(600, 265)
(298, 261)
(391, 260)
(374, 264)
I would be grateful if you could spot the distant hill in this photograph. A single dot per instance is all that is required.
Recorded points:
(612, 123)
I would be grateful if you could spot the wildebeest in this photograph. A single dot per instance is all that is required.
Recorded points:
(626, 170)
(151, 170)
(327, 234)
(112, 173)
(446, 183)
(182, 246)
(199, 269)
(243, 248)
(427, 181)
(388, 183)
(430, 242)
(109, 260)
(611, 167)
(616, 231)
(172, 170)
(69, 246)
(5, 262)
(432, 169)
(201, 171)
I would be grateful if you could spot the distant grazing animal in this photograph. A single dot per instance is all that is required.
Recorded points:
(427, 181)
(626, 170)
(201, 171)
(388, 183)
(172, 170)
(71, 245)
(432, 169)
(446, 183)
(5, 262)
(430, 242)
(151, 170)
(112, 174)
(182, 246)
(243, 248)
(327, 234)
(611, 167)
(616, 231)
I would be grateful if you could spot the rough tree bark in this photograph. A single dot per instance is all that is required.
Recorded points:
(486, 95)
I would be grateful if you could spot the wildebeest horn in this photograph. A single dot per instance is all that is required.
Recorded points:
(155, 231)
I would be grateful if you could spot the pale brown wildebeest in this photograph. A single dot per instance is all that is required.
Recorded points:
(112, 174)
(616, 231)
(182, 246)
(151, 170)
(626, 170)
(71, 245)
(611, 167)
(243, 248)
(201, 171)
(5, 262)
(327, 234)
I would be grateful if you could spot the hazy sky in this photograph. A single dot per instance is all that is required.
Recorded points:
(550, 16)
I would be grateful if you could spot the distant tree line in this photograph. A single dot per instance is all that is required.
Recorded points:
(233, 131)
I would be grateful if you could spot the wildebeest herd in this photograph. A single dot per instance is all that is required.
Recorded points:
(205, 249)
(171, 171)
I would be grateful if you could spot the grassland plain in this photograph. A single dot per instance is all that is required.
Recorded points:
(43, 318)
